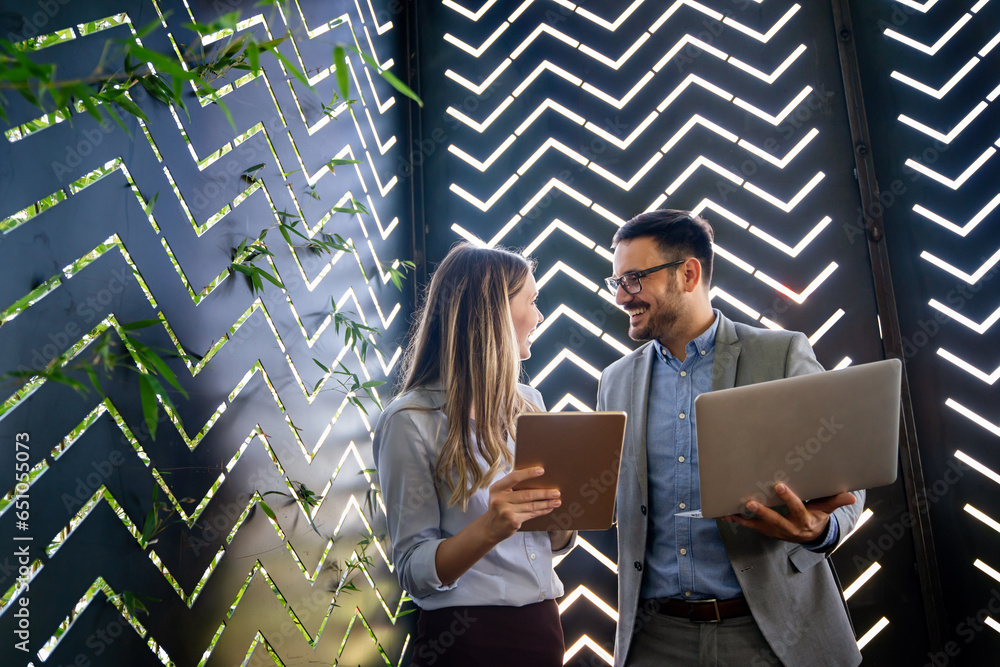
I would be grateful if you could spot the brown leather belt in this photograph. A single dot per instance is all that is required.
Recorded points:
(701, 611)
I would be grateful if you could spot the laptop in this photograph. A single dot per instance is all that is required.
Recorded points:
(820, 434)
(581, 453)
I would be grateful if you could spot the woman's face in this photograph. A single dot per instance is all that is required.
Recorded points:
(525, 314)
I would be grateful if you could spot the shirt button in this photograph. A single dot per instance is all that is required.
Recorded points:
(532, 556)
(687, 594)
(541, 596)
(643, 510)
(683, 505)
(681, 415)
(638, 565)
(681, 459)
(703, 352)
(684, 552)
(683, 373)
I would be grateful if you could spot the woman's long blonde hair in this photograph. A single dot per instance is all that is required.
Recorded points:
(464, 338)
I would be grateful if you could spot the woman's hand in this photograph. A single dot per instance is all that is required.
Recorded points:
(509, 508)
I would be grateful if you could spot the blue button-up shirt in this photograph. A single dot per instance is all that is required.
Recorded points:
(685, 556)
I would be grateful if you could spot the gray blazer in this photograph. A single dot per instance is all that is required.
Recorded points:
(793, 593)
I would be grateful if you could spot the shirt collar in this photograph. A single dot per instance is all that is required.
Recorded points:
(699, 347)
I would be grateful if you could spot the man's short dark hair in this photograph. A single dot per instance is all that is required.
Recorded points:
(680, 234)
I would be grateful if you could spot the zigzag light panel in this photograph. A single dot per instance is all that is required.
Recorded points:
(690, 105)
(144, 224)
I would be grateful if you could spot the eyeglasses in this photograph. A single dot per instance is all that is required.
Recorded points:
(632, 282)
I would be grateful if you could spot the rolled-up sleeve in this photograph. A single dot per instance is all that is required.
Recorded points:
(406, 476)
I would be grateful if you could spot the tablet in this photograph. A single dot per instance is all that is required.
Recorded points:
(820, 434)
(581, 453)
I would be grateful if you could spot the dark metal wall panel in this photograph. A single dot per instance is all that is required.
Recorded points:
(930, 81)
(548, 124)
(247, 588)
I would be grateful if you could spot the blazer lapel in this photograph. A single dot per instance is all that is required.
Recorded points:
(727, 354)
(642, 369)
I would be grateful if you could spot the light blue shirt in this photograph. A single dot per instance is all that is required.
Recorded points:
(685, 557)
(408, 438)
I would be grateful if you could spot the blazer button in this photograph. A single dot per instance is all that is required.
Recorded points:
(638, 566)
(642, 508)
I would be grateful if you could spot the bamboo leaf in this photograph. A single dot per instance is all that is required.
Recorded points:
(336, 162)
(296, 72)
(340, 65)
(130, 107)
(389, 76)
(228, 114)
(253, 56)
(150, 409)
(148, 208)
(267, 508)
(271, 279)
(140, 324)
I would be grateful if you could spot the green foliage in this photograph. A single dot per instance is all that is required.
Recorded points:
(304, 496)
(148, 363)
(134, 603)
(167, 78)
(164, 76)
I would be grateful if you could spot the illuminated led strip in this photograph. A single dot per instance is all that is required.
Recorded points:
(587, 642)
(476, 52)
(801, 245)
(977, 466)
(570, 399)
(937, 93)
(687, 40)
(583, 591)
(982, 517)
(969, 368)
(595, 552)
(564, 355)
(956, 183)
(733, 301)
(826, 326)
(950, 226)
(987, 569)
(944, 138)
(706, 204)
(962, 319)
(916, 5)
(972, 416)
(380, 29)
(861, 581)
(588, 326)
(862, 520)
(971, 279)
(870, 635)
(797, 297)
(932, 49)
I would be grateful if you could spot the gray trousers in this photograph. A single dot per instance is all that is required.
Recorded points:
(666, 640)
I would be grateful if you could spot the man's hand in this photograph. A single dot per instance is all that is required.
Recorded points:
(805, 522)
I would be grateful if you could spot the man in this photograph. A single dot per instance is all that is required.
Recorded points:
(743, 590)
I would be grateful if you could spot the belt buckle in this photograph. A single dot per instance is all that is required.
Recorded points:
(715, 605)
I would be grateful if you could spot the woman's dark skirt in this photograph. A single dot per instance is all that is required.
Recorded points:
(529, 636)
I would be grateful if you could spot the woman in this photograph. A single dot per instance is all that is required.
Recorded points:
(444, 450)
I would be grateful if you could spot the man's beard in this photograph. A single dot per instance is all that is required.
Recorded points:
(659, 324)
